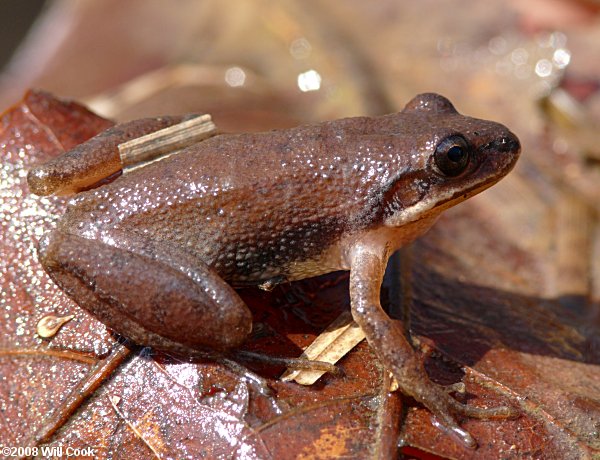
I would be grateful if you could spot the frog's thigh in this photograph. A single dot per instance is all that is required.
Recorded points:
(154, 301)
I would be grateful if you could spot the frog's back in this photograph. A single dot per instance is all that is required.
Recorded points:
(249, 204)
(257, 206)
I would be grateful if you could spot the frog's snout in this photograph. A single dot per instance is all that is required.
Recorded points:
(507, 144)
(503, 151)
(500, 154)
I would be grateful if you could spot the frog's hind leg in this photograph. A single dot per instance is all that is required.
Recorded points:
(92, 161)
(163, 298)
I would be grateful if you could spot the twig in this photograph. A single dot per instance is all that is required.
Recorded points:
(47, 352)
(80, 393)
(165, 142)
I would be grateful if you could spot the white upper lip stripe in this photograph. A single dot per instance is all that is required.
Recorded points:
(505, 162)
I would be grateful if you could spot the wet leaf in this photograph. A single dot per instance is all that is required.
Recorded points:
(154, 403)
(514, 346)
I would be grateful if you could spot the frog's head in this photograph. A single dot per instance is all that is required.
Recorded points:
(452, 158)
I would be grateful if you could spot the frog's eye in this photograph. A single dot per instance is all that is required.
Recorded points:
(452, 155)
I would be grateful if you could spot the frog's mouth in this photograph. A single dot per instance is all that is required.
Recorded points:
(463, 195)
(427, 207)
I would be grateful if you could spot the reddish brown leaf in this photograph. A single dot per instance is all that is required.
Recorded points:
(178, 408)
(475, 296)
(33, 131)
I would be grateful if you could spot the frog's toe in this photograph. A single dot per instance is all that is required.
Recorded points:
(446, 422)
(500, 412)
(445, 409)
(458, 387)
(292, 363)
(260, 384)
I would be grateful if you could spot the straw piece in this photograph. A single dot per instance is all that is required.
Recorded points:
(142, 150)
(341, 336)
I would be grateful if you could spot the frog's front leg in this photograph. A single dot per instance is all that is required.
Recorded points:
(154, 294)
(394, 350)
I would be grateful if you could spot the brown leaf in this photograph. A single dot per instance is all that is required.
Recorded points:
(518, 347)
(33, 131)
(156, 403)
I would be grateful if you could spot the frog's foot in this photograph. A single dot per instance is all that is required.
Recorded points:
(414, 381)
(438, 400)
(257, 382)
(292, 363)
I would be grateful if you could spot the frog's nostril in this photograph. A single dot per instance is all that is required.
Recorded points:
(512, 144)
(506, 144)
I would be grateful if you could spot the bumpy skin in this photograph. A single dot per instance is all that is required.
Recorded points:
(154, 253)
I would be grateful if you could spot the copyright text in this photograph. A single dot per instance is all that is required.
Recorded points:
(47, 451)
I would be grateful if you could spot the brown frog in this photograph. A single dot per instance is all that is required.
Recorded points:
(155, 254)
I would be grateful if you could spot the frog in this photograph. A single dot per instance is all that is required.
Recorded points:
(158, 253)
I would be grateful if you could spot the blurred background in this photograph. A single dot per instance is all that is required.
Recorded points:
(308, 60)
